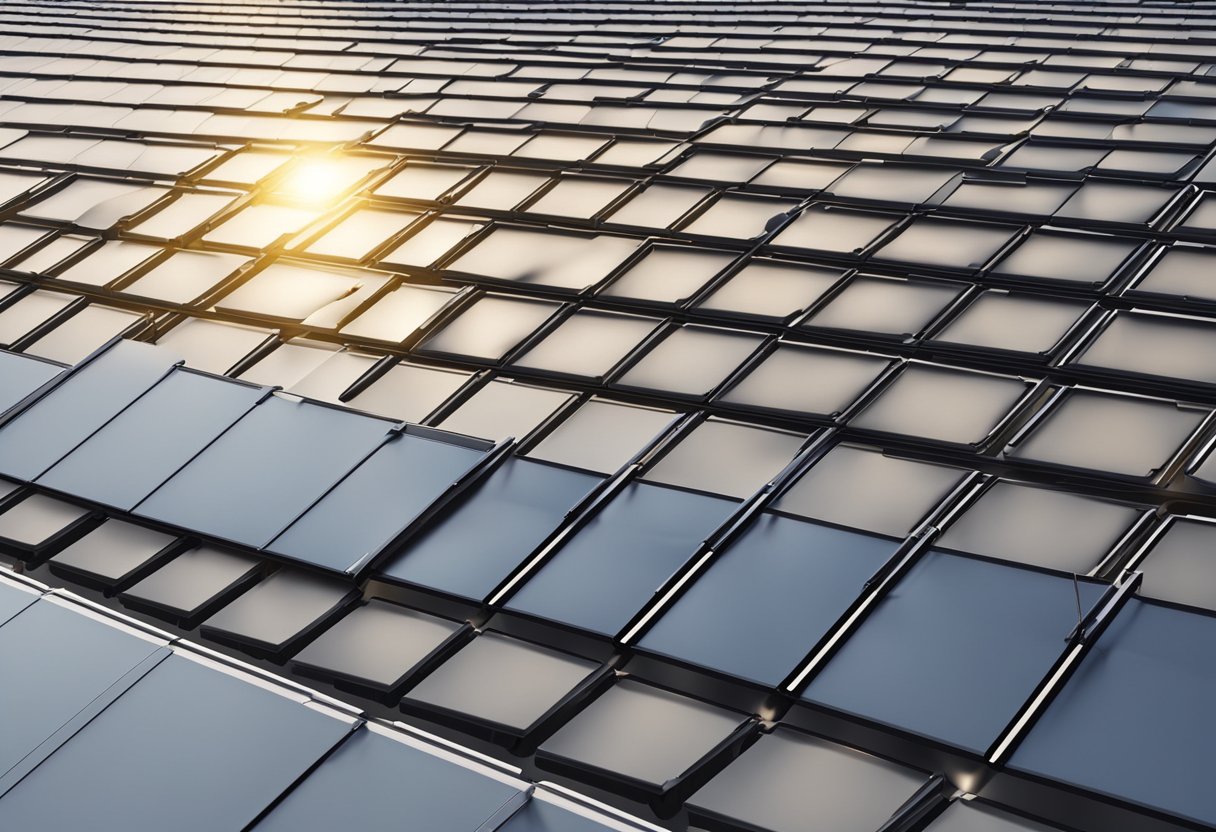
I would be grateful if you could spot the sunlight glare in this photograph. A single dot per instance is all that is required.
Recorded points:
(314, 182)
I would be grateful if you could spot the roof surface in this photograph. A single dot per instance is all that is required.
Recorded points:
(746, 417)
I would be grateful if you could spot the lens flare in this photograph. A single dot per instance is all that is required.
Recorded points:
(314, 182)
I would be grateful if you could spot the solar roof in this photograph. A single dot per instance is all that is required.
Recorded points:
(604, 415)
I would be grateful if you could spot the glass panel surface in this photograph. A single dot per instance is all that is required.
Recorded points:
(239, 740)
(1005, 627)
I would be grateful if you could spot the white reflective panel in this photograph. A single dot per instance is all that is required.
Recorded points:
(588, 343)
(727, 458)
(409, 392)
(258, 226)
(185, 276)
(88, 330)
(602, 435)
(502, 409)
(184, 214)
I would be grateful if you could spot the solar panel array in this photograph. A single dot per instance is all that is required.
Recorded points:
(757, 416)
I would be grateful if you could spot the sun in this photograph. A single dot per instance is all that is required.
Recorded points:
(314, 181)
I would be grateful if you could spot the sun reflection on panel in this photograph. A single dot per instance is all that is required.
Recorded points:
(315, 181)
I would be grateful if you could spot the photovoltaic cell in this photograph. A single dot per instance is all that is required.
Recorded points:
(266, 471)
(151, 439)
(964, 643)
(43, 434)
(237, 739)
